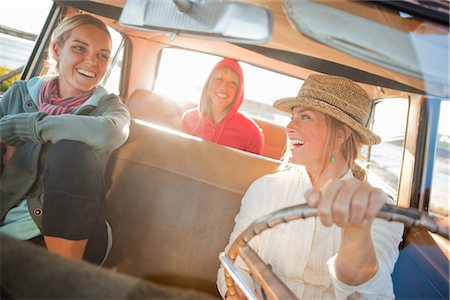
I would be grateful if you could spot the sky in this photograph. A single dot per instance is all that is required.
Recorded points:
(26, 15)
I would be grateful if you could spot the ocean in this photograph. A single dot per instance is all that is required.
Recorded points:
(14, 52)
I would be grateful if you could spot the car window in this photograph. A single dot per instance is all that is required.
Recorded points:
(112, 78)
(17, 38)
(440, 186)
(385, 159)
(262, 86)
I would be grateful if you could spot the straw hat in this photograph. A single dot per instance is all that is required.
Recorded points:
(337, 97)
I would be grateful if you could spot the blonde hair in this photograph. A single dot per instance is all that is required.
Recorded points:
(350, 150)
(63, 30)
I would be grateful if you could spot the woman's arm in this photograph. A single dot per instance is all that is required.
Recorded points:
(105, 131)
(367, 252)
(356, 261)
(386, 237)
(256, 142)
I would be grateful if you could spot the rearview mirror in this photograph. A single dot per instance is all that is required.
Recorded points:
(230, 21)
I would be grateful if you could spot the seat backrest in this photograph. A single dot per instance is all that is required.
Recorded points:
(274, 139)
(422, 270)
(158, 109)
(172, 202)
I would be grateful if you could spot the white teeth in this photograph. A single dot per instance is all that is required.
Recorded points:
(297, 142)
(86, 73)
(221, 95)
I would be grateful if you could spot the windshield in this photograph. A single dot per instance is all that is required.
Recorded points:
(390, 38)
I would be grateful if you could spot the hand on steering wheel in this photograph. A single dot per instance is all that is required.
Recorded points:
(345, 202)
(240, 246)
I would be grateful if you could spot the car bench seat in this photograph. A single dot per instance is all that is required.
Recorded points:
(158, 109)
(172, 202)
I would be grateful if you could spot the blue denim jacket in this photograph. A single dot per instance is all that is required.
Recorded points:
(102, 122)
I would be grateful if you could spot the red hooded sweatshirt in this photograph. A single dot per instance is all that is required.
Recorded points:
(234, 130)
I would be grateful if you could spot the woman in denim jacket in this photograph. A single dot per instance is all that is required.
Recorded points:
(58, 133)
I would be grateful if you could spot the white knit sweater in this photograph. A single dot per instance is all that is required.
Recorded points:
(302, 252)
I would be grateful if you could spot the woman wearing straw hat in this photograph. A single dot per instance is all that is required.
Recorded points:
(345, 250)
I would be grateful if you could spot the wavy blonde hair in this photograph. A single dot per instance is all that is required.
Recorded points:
(63, 30)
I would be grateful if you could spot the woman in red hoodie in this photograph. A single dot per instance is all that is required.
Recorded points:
(217, 118)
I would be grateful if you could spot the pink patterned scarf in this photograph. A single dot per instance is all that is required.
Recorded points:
(51, 103)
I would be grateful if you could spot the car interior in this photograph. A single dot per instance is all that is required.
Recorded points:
(172, 197)
(198, 176)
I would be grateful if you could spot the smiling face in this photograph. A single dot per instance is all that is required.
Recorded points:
(222, 89)
(82, 59)
(308, 136)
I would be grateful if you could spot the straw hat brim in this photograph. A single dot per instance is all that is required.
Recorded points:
(367, 137)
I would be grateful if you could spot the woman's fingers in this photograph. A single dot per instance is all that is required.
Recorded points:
(326, 204)
(344, 202)
(360, 203)
(376, 201)
(312, 196)
(344, 199)
(10, 150)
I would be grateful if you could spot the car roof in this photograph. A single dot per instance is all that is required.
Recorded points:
(298, 54)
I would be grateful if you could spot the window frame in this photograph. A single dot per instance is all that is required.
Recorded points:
(278, 118)
(36, 63)
(434, 176)
(375, 179)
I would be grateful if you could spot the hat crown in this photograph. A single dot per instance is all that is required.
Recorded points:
(337, 97)
(342, 93)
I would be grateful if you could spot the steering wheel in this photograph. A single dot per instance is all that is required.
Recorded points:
(269, 282)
